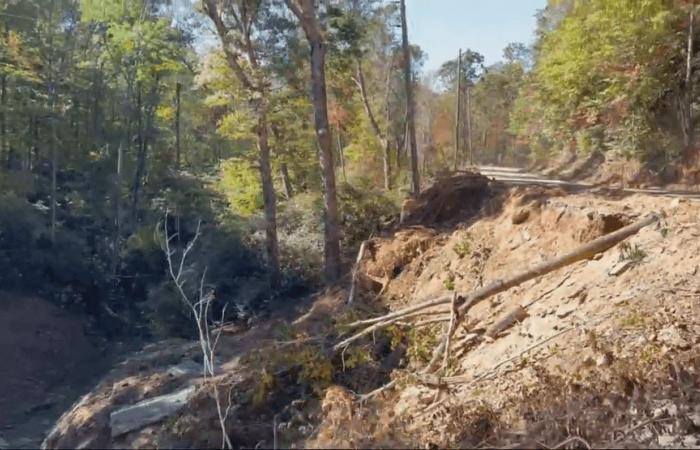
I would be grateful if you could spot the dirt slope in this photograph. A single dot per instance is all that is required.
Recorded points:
(606, 353)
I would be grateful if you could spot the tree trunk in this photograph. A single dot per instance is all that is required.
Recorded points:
(320, 102)
(410, 105)
(4, 153)
(54, 170)
(140, 154)
(687, 122)
(286, 182)
(269, 198)
(469, 126)
(117, 213)
(305, 11)
(341, 154)
(458, 109)
(383, 139)
(178, 89)
(145, 129)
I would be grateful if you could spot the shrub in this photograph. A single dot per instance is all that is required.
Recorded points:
(363, 211)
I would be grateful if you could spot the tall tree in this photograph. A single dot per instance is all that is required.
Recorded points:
(458, 108)
(410, 103)
(307, 14)
(237, 24)
(687, 107)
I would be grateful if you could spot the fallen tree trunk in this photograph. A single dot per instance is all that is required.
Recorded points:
(586, 251)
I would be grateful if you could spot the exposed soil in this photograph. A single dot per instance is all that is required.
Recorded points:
(607, 352)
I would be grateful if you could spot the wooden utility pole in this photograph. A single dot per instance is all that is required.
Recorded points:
(458, 109)
(410, 105)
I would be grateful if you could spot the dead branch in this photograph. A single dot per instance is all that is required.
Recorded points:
(200, 311)
(374, 393)
(355, 272)
(517, 314)
(586, 251)
(571, 440)
(432, 380)
(450, 331)
(560, 284)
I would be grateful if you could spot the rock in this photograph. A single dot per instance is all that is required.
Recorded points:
(690, 441)
(695, 418)
(619, 268)
(672, 337)
(604, 359)
(184, 369)
(675, 203)
(520, 216)
(147, 412)
(667, 440)
(566, 310)
(668, 410)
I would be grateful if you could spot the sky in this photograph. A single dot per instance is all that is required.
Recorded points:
(441, 27)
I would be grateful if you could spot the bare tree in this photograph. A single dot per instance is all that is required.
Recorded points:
(235, 23)
(305, 12)
(382, 135)
(200, 309)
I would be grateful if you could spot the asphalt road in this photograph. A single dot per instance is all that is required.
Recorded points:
(517, 176)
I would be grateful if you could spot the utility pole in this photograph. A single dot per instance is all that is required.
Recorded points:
(410, 105)
(458, 109)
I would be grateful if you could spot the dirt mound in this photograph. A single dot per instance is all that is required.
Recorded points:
(592, 354)
(455, 198)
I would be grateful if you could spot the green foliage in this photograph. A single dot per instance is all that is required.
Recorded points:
(240, 183)
(633, 253)
(421, 344)
(363, 210)
(449, 282)
(602, 77)
(464, 246)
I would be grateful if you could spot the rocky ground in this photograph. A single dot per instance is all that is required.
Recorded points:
(604, 352)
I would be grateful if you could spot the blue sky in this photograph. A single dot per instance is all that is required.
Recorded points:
(441, 27)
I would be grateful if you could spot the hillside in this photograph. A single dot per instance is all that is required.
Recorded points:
(604, 351)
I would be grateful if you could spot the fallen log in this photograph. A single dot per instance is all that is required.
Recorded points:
(586, 251)
(517, 314)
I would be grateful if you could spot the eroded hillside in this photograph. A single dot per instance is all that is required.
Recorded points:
(604, 352)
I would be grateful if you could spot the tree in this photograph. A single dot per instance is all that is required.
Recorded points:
(305, 11)
(410, 103)
(237, 23)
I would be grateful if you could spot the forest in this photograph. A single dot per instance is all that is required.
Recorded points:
(113, 112)
(292, 132)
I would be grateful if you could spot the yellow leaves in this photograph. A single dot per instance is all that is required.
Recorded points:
(238, 125)
(165, 113)
(240, 183)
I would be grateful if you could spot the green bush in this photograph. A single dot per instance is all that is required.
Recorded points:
(363, 211)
